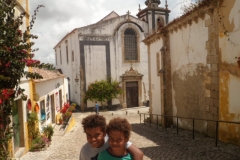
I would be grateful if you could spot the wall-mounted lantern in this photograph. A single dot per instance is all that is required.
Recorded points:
(77, 79)
(57, 85)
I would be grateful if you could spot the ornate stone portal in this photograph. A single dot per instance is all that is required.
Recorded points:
(132, 88)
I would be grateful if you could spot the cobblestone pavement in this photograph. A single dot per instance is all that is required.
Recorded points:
(157, 144)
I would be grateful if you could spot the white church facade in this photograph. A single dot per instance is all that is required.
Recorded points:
(111, 48)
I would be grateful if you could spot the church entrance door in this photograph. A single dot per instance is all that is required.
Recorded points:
(132, 94)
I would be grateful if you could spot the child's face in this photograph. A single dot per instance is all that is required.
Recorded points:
(117, 141)
(95, 136)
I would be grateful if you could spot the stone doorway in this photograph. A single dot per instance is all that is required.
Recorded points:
(132, 89)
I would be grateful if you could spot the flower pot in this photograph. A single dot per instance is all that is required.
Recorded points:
(60, 121)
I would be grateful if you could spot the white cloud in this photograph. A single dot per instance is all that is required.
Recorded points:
(60, 17)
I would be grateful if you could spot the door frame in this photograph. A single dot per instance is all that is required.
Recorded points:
(20, 112)
(131, 76)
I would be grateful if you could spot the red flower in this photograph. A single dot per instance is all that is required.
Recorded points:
(19, 32)
(8, 64)
(1, 101)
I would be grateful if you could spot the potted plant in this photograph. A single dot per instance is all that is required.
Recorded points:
(66, 116)
(60, 121)
(48, 132)
(39, 143)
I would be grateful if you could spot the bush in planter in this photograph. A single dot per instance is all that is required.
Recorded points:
(39, 142)
(48, 132)
(33, 131)
(66, 116)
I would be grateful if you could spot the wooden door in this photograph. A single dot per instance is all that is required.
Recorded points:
(132, 94)
(16, 124)
(53, 109)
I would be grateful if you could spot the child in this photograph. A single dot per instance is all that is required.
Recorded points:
(96, 108)
(95, 128)
(118, 131)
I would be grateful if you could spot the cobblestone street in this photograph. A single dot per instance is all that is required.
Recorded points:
(157, 144)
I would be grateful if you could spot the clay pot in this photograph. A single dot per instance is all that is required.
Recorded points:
(238, 63)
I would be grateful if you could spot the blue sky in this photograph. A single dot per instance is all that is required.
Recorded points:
(60, 17)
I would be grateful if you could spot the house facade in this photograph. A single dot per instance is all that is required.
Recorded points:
(50, 94)
(194, 71)
(111, 48)
(19, 144)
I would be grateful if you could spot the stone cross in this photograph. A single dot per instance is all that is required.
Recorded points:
(128, 13)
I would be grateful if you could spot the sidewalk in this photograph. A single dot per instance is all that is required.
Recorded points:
(157, 144)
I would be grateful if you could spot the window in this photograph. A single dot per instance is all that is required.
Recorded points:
(43, 112)
(158, 62)
(60, 55)
(72, 56)
(130, 45)
(55, 57)
(67, 53)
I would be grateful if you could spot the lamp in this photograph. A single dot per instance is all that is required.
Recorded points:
(76, 79)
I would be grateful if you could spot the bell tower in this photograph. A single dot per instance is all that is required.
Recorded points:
(155, 16)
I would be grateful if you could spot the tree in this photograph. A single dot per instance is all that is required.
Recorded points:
(15, 55)
(103, 91)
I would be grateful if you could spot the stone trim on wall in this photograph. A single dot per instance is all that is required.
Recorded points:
(213, 59)
(130, 76)
(83, 86)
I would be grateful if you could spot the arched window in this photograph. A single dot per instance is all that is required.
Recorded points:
(130, 44)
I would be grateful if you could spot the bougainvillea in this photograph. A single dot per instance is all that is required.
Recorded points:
(16, 54)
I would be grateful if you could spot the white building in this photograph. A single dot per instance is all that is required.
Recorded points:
(50, 94)
(194, 71)
(111, 48)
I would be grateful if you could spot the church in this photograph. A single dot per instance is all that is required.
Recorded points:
(111, 48)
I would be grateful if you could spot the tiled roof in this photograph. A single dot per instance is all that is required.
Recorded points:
(46, 74)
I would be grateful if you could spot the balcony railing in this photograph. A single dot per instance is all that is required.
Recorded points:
(193, 122)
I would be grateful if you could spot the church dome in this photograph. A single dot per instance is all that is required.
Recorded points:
(153, 1)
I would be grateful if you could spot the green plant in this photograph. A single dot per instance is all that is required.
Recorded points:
(39, 142)
(71, 108)
(33, 131)
(48, 132)
(103, 91)
(66, 115)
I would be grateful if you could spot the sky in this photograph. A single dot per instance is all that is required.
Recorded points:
(59, 17)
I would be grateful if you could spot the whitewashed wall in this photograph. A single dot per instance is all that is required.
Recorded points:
(155, 79)
(229, 109)
(46, 88)
(102, 31)
(187, 51)
(71, 69)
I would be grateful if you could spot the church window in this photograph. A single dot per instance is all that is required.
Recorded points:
(130, 45)
(66, 51)
(55, 57)
(60, 55)
(72, 56)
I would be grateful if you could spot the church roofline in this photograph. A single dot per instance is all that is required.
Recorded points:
(108, 15)
(101, 22)
(65, 37)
